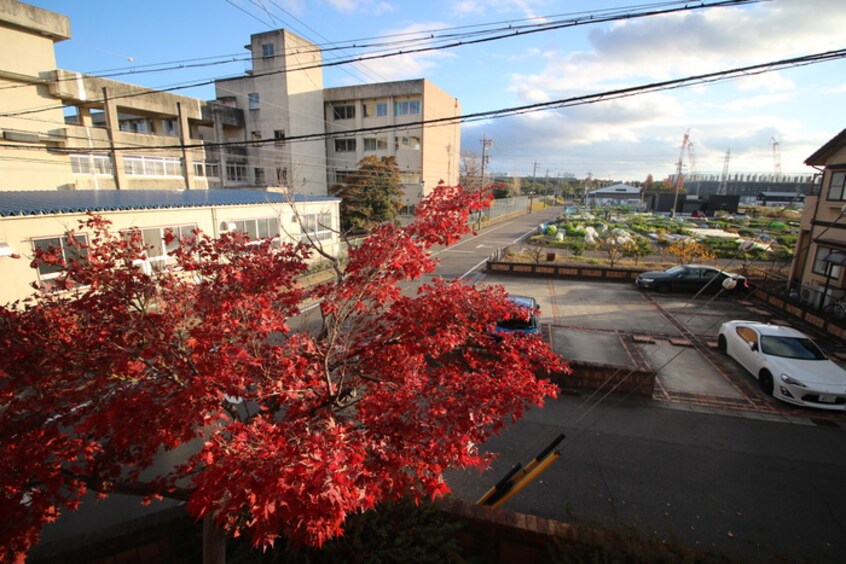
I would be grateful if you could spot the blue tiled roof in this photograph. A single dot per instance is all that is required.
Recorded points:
(50, 202)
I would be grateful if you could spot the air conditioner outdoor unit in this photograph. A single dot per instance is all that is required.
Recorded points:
(806, 295)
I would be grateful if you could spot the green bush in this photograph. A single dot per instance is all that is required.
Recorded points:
(573, 230)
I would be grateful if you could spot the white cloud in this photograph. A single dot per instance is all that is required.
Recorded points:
(642, 134)
(761, 101)
(412, 65)
(375, 7)
(523, 8)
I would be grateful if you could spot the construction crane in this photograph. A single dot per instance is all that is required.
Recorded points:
(722, 189)
(776, 157)
(685, 147)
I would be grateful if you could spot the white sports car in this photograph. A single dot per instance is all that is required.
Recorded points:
(787, 363)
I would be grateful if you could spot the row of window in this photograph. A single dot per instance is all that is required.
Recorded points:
(314, 226)
(148, 165)
(91, 164)
(375, 109)
(401, 143)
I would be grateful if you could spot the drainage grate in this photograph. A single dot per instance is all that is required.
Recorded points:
(826, 423)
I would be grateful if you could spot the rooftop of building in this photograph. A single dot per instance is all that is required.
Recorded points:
(48, 202)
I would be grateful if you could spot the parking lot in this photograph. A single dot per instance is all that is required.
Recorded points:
(673, 334)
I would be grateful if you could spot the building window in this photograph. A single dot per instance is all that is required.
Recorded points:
(256, 135)
(206, 170)
(341, 176)
(259, 228)
(68, 253)
(169, 126)
(822, 268)
(407, 143)
(159, 253)
(267, 50)
(343, 112)
(236, 172)
(279, 136)
(145, 165)
(375, 144)
(259, 174)
(410, 107)
(253, 100)
(282, 176)
(316, 227)
(344, 145)
(837, 186)
(91, 164)
(378, 109)
(137, 126)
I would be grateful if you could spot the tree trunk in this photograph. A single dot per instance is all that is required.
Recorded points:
(214, 542)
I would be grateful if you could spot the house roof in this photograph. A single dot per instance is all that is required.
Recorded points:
(51, 202)
(615, 189)
(821, 156)
(789, 195)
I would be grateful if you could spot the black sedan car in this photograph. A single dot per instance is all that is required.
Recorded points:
(690, 278)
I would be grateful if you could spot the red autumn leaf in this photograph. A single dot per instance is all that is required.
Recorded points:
(292, 431)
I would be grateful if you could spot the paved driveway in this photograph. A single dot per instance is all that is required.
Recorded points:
(675, 335)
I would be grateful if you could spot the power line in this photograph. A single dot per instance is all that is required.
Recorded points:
(707, 78)
(432, 36)
(509, 33)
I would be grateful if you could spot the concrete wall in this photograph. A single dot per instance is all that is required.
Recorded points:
(441, 143)
(435, 158)
(19, 232)
(289, 101)
(27, 35)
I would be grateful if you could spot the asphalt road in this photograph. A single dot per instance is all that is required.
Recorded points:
(755, 488)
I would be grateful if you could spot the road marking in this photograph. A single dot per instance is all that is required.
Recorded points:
(483, 261)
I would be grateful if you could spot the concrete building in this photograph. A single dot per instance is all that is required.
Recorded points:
(616, 195)
(281, 96)
(745, 185)
(32, 219)
(65, 130)
(820, 258)
(385, 119)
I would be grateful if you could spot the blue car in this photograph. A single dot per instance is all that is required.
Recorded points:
(522, 325)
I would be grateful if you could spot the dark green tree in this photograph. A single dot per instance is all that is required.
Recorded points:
(371, 195)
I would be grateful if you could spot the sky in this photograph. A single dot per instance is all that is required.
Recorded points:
(625, 139)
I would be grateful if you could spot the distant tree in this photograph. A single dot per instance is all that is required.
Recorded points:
(470, 171)
(500, 192)
(371, 195)
(612, 247)
(649, 182)
(689, 250)
(637, 248)
(534, 250)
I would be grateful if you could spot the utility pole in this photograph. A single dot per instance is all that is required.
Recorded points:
(546, 183)
(587, 182)
(534, 171)
(485, 144)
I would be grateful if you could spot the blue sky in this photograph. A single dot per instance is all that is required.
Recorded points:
(626, 139)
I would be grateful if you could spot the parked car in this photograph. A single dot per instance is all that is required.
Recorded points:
(689, 278)
(787, 363)
(526, 324)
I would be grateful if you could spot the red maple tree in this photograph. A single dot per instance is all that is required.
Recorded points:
(288, 431)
